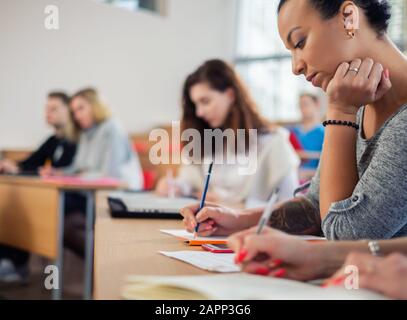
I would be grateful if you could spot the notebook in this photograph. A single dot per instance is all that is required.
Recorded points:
(234, 287)
(214, 262)
(189, 238)
(146, 205)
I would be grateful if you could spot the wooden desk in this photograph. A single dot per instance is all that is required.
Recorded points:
(32, 219)
(130, 247)
(15, 154)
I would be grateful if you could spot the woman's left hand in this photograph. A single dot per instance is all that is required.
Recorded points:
(356, 84)
(384, 275)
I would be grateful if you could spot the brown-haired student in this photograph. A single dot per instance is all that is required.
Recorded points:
(214, 97)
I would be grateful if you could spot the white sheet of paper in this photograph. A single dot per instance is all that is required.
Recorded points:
(215, 262)
(181, 233)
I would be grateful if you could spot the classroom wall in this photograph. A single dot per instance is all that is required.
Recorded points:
(138, 60)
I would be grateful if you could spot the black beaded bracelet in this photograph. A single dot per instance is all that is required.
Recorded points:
(340, 123)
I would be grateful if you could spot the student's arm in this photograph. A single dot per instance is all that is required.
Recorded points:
(376, 209)
(74, 167)
(300, 259)
(114, 154)
(346, 92)
(117, 159)
(68, 155)
(334, 253)
(297, 216)
(37, 158)
(339, 174)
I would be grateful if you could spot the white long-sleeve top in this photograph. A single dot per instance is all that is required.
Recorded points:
(277, 167)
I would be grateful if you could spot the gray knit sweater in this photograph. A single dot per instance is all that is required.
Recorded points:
(378, 207)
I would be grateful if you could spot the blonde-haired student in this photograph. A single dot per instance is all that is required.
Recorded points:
(104, 150)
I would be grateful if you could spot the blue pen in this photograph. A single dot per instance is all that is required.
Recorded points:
(208, 177)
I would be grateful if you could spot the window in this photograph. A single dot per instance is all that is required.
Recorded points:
(265, 64)
(398, 24)
(157, 6)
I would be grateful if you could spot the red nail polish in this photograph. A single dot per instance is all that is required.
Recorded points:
(387, 73)
(338, 281)
(262, 271)
(334, 282)
(241, 256)
(277, 262)
(280, 273)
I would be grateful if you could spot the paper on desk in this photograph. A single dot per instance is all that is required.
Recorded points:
(215, 262)
(189, 237)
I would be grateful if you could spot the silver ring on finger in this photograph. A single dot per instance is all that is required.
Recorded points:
(354, 70)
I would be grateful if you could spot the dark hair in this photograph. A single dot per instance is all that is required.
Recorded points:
(378, 12)
(70, 131)
(312, 96)
(61, 96)
(221, 77)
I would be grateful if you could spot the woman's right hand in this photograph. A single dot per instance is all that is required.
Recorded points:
(215, 220)
(356, 84)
